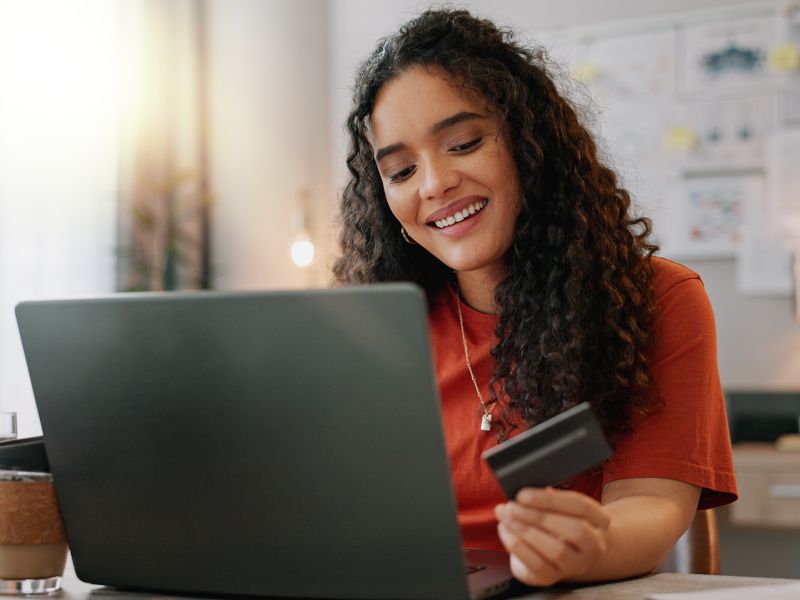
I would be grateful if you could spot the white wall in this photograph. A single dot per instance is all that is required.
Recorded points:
(269, 136)
(759, 341)
(58, 160)
(758, 338)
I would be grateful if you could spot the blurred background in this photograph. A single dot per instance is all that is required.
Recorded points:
(199, 144)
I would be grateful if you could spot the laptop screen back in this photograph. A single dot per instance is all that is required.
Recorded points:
(284, 443)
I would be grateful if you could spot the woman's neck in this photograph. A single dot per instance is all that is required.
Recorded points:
(477, 288)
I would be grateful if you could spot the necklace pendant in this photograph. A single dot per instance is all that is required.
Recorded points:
(486, 422)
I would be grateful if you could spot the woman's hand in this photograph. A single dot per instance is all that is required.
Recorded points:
(552, 534)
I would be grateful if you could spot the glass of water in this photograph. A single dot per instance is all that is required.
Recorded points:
(8, 426)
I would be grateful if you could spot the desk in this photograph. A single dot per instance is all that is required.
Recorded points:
(633, 589)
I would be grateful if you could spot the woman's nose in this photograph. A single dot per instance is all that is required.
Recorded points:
(438, 177)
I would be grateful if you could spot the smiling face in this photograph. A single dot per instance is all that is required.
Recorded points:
(446, 169)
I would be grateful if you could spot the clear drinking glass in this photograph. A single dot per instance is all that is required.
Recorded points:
(8, 426)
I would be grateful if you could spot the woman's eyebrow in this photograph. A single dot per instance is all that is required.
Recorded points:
(435, 128)
(387, 150)
(454, 120)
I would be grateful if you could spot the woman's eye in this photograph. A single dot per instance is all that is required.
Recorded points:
(401, 175)
(466, 146)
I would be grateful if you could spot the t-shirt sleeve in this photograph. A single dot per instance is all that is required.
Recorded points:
(687, 438)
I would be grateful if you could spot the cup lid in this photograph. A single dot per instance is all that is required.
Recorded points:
(6, 475)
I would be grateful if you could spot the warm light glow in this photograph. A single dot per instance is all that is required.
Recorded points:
(302, 251)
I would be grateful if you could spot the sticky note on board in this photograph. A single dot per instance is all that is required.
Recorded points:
(784, 57)
(585, 71)
(680, 139)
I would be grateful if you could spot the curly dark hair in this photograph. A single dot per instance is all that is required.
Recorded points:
(577, 305)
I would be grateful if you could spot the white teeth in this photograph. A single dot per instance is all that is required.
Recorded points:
(462, 214)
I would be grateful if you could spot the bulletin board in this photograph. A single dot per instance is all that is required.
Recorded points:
(699, 114)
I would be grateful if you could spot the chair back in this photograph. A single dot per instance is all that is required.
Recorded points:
(697, 550)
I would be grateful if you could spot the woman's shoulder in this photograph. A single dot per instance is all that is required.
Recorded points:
(684, 307)
(669, 274)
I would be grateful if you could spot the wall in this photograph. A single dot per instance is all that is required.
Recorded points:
(758, 337)
(268, 117)
(58, 141)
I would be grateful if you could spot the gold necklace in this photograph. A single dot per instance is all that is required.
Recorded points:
(486, 419)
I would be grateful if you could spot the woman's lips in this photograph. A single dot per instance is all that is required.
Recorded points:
(462, 227)
(452, 208)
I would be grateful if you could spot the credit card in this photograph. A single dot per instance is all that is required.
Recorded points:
(550, 452)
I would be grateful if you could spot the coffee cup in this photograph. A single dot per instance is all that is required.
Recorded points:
(33, 544)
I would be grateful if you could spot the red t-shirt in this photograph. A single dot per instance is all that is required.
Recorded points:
(687, 440)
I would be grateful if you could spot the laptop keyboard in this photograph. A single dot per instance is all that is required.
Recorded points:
(474, 568)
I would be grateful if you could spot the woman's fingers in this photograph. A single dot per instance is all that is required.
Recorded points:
(552, 534)
(555, 534)
(565, 502)
(526, 564)
(576, 532)
(564, 556)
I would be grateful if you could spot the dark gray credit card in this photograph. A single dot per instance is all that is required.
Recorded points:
(550, 452)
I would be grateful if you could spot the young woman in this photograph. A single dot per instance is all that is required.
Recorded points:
(473, 176)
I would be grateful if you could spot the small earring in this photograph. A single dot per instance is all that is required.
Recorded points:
(406, 237)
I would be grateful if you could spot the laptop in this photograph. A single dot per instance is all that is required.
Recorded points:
(263, 444)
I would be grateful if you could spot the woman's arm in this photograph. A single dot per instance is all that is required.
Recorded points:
(556, 535)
